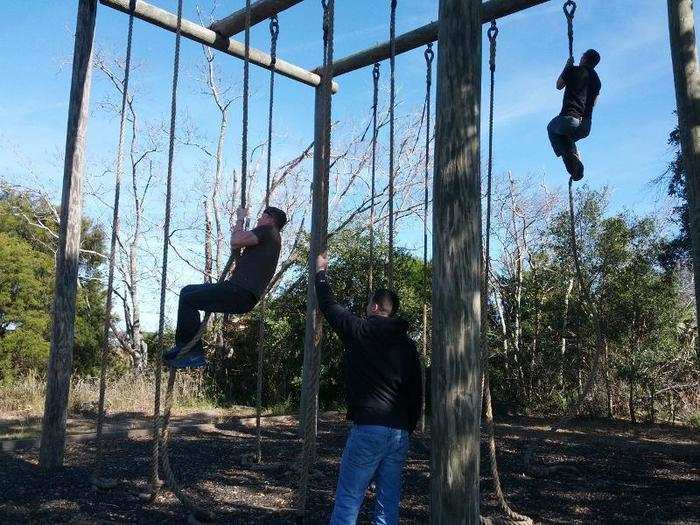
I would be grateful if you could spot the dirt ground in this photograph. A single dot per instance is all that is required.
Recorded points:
(606, 473)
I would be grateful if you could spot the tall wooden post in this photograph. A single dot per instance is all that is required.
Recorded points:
(308, 410)
(319, 233)
(61, 358)
(681, 26)
(456, 367)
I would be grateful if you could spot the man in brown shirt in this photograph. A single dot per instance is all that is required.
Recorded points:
(238, 295)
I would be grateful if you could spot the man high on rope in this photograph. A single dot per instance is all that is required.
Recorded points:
(384, 399)
(238, 295)
(581, 86)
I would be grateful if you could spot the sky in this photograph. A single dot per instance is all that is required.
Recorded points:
(626, 151)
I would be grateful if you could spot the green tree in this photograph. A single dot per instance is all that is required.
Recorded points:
(28, 226)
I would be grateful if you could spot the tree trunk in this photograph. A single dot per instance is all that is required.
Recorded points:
(208, 261)
(53, 434)
(608, 387)
(456, 363)
(632, 408)
(565, 323)
(681, 24)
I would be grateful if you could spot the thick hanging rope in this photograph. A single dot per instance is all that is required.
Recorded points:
(197, 513)
(392, 102)
(308, 453)
(589, 306)
(429, 55)
(375, 101)
(160, 430)
(274, 33)
(155, 480)
(503, 504)
(246, 96)
(96, 480)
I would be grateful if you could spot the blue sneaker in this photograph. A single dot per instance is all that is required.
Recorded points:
(193, 359)
(172, 353)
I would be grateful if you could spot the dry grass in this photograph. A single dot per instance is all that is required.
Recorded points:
(128, 392)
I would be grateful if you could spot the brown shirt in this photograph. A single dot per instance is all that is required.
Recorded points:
(258, 263)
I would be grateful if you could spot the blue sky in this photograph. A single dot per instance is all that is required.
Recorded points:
(627, 148)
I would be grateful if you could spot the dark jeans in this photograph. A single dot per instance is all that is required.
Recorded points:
(223, 298)
(564, 131)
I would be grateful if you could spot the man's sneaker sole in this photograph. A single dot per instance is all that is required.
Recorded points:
(188, 361)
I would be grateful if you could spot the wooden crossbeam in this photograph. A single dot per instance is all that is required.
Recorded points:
(423, 35)
(167, 20)
(259, 11)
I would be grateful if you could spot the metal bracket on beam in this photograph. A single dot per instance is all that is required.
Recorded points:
(167, 20)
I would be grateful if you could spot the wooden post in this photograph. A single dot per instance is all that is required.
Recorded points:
(61, 359)
(456, 366)
(319, 233)
(681, 25)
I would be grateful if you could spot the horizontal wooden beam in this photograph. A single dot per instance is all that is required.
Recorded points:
(259, 11)
(167, 20)
(423, 35)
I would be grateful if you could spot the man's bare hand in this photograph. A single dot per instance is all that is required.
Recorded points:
(322, 262)
(241, 214)
(570, 62)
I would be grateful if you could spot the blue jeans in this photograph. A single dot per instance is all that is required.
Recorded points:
(564, 131)
(371, 452)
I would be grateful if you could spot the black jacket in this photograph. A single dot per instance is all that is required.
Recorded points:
(382, 368)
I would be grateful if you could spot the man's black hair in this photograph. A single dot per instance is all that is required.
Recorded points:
(278, 216)
(386, 299)
(592, 57)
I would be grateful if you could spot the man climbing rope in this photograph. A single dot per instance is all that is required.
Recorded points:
(238, 295)
(581, 88)
(384, 399)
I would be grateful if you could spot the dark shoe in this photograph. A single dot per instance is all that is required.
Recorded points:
(172, 353)
(573, 165)
(192, 359)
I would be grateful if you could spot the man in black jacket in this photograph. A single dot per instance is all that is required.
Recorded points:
(581, 86)
(384, 395)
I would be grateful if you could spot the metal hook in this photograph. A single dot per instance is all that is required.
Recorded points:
(429, 54)
(493, 31)
(569, 9)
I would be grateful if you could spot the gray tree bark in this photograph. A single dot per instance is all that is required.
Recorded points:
(456, 363)
(53, 435)
(681, 26)
(319, 233)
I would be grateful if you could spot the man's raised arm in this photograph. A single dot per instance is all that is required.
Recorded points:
(342, 321)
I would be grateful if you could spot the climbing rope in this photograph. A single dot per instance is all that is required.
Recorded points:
(429, 55)
(97, 481)
(569, 12)
(569, 9)
(161, 423)
(274, 33)
(155, 480)
(503, 504)
(392, 102)
(308, 453)
(375, 101)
